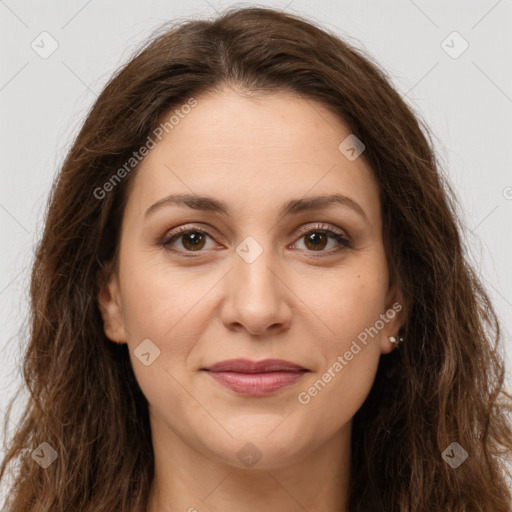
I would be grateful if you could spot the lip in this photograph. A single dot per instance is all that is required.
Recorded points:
(248, 366)
(256, 378)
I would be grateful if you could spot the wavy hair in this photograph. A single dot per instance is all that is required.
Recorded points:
(446, 382)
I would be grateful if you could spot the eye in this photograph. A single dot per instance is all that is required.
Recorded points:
(317, 237)
(192, 239)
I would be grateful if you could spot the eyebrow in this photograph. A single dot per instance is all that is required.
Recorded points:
(293, 207)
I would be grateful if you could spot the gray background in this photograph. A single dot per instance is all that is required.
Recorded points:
(466, 101)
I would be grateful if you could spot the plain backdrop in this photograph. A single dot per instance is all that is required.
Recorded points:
(465, 97)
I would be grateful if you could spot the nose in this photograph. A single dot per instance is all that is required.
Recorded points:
(256, 296)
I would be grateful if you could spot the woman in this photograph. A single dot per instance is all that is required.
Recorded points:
(251, 294)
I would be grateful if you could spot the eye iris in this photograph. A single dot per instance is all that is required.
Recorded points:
(195, 238)
(315, 238)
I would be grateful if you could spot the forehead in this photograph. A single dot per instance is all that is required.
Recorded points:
(253, 152)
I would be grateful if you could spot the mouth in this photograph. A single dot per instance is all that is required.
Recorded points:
(256, 378)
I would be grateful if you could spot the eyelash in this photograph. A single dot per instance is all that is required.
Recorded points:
(184, 230)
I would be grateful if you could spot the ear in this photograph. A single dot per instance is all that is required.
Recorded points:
(109, 302)
(394, 317)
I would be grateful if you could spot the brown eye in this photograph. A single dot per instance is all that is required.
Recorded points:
(192, 240)
(316, 240)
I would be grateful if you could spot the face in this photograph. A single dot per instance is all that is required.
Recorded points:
(252, 279)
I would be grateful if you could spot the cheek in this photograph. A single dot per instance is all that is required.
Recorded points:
(170, 323)
(350, 352)
(163, 307)
(347, 301)
(351, 308)
(333, 397)
(159, 298)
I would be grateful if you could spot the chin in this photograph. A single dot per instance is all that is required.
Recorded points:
(259, 450)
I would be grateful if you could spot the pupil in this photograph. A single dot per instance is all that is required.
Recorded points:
(315, 239)
(194, 237)
(193, 240)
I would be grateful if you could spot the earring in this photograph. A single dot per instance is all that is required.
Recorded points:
(396, 341)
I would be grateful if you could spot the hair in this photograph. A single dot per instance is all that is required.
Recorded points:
(446, 382)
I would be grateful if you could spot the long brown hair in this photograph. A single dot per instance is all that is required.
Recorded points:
(443, 385)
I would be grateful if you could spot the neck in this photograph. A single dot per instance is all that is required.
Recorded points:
(191, 481)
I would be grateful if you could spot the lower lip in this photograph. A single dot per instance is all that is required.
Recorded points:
(256, 384)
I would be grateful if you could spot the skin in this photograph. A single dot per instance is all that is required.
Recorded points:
(293, 302)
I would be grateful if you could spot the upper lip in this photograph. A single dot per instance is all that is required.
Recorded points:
(248, 366)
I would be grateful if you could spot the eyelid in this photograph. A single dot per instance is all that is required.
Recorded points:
(321, 226)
